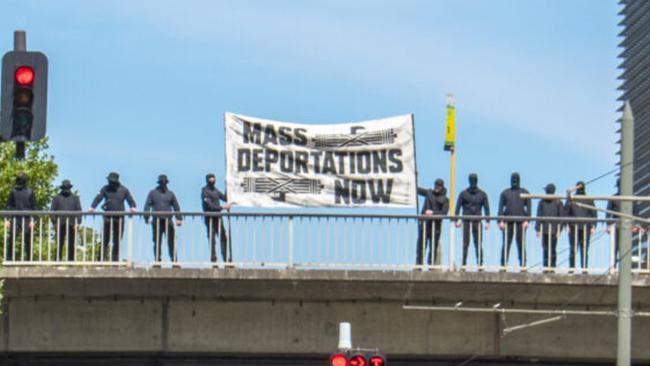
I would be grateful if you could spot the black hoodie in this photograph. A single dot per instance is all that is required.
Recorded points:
(436, 202)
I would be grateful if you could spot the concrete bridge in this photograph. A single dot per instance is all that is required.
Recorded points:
(169, 316)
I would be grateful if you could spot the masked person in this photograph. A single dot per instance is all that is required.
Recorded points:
(114, 194)
(211, 198)
(21, 198)
(638, 231)
(511, 204)
(472, 201)
(66, 225)
(549, 230)
(162, 201)
(435, 203)
(580, 231)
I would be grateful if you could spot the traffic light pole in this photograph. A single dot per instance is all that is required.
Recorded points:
(625, 241)
(20, 44)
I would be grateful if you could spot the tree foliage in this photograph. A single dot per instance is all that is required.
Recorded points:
(39, 166)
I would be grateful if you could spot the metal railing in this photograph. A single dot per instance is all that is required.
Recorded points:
(315, 241)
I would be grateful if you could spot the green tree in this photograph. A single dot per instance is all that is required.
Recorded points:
(39, 166)
(41, 171)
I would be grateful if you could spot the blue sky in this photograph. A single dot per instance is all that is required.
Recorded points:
(140, 87)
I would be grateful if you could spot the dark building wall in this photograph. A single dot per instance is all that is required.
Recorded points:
(635, 87)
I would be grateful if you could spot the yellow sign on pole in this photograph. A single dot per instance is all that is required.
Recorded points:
(450, 129)
(450, 145)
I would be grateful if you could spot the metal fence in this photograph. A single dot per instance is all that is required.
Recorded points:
(315, 241)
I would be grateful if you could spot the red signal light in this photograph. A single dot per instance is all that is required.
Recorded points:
(358, 360)
(339, 359)
(24, 75)
(377, 361)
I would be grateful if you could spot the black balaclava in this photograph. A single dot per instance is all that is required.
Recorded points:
(514, 180)
(66, 188)
(207, 180)
(162, 182)
(113, 180)
(21, 181)
(581, 187)
(473, 182)
(438, 186)
(549, 189)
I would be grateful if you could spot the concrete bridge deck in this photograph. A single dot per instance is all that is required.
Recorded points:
(278, 313)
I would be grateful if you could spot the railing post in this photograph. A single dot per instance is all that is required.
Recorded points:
(129, 240)
(452, 245)
(612, 247)
(290, 239)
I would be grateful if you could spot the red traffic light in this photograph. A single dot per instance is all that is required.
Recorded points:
(377, 361)
(339, 359)
(358, 360)
(24, 75)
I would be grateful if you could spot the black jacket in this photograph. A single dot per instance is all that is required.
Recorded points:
(21, 199)
(66, 203)
(573, 210)
(472, 202)
(511, 203)
(162, 201)
(210, 197)
(114, 198)
(438, 203)
(549, 208)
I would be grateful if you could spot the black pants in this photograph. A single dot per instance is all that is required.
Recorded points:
(579, 242)
(214, 227)
(513, 229)
(113, 230)
(549, 243)
(21, 232)
(475, 227)
(65, 234)
(427, 230)
(160, 227)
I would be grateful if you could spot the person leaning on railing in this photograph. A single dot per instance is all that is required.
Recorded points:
(435, 203)
(21, 198)
(114, 194)
(66, 225)
(548, 230)
(580, 231)
(639, 230)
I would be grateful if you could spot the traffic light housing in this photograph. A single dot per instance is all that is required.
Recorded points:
(23, 116)
(356, 358)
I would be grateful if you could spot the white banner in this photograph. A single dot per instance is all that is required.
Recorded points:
(282, 164)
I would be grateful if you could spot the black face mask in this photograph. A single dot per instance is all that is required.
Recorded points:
(113, 184)
(162, 186)
(66, 191)
(21, 182)
(211, 183)
(473, 182)
(514, 181)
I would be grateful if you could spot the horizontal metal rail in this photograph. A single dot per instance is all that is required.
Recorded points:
(316, 241)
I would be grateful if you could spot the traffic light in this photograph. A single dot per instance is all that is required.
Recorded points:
(24, 96)
(339, 359)
(357, 359)
(377, 360)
